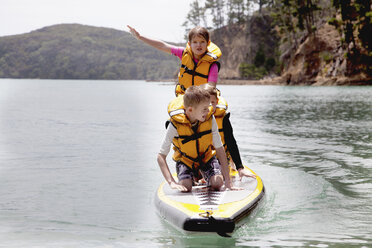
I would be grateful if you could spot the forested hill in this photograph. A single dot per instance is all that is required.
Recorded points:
(74, 51)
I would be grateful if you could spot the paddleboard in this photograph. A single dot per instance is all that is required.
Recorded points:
(205, 210)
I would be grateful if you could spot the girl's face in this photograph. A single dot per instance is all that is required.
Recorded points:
(198, 46)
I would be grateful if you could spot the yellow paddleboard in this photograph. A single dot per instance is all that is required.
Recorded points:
(204, 210)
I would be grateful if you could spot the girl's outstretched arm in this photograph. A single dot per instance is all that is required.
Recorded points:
(158, 44)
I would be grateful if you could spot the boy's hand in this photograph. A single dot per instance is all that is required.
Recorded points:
(245, 173)
(177, 186)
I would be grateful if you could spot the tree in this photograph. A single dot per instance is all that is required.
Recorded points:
(304, 11)
(294, 16)
(259, 59)
(356, 19)
(283, 14)
(216, 9)
(364, 23)
(195, 17)
(221, 12)
(262, 3)
(236, 11)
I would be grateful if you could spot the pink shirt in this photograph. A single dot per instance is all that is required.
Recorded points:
(213, 72)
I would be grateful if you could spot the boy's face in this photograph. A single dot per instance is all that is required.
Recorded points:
(198, 45)
(214, 101)
(201, 111)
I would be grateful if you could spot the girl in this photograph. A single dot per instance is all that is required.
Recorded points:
(199, 60)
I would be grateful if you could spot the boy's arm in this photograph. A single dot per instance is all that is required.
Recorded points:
(221, 155)
(167, 174)
(162, 161)
(161, 45)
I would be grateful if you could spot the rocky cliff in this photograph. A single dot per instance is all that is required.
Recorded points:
(240, 42)
(319, 59)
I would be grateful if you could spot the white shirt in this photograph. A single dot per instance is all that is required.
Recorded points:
(172, 132)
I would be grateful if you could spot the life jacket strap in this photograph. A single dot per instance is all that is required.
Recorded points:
(193, 72)
(195, 160)
(195, 136)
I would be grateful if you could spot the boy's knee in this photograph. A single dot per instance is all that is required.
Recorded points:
(216, 182)
(187, 183)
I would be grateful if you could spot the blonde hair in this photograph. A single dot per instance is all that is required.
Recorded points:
(195, 95)
(212, 91)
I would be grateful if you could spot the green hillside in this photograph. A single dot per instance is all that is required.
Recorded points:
(73, 51)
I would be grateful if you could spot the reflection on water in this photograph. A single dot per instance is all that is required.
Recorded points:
(78, 167)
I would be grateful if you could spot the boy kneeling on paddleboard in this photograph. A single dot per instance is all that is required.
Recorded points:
(194, 132)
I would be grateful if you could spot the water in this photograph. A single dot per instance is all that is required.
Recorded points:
(78, 165)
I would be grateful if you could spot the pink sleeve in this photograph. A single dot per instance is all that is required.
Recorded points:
(177, 51)
(213, 73)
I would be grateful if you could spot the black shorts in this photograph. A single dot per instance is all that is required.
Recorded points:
(210, 169)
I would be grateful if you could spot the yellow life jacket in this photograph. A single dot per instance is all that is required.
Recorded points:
(192, 73)
(219, 114)
(193, 145)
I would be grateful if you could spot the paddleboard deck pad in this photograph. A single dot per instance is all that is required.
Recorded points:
(205, 210)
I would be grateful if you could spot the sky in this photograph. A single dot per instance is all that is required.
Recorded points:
(160, 19)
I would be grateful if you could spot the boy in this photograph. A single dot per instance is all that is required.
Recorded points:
(193, 130)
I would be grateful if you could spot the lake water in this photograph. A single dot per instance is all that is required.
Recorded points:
(78, 165)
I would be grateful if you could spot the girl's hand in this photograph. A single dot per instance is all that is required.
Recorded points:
(134, 32)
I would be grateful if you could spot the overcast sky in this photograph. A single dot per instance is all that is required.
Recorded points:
(161, 19)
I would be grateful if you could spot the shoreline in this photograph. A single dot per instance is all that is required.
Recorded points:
(319, 81)
(281, 81)
(248, 82)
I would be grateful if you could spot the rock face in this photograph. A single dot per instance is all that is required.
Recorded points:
(314, 58)
(240, 42)
(318, 60)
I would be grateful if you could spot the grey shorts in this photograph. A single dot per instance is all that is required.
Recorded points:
(211, 168)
